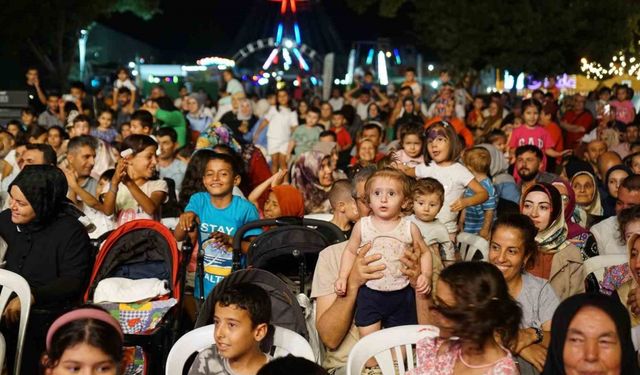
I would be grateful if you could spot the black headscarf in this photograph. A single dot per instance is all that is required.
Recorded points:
(45, 187)
(565, 313)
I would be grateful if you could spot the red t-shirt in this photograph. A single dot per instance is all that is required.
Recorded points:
(343, 137)
(584, 120)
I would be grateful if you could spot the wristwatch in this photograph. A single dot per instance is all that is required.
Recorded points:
(539, 335)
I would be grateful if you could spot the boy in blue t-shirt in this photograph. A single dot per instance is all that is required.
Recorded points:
(478, 219)
(218, 214)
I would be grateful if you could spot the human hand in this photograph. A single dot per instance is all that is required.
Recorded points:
(72, 177)
(187, 221)
(120, 173)
(411, 262)
(36, 81)
(362, 270)
(423, 284)
(458, 205)
(222, 238)
(11, 313)
(278, 177)
(567, 152)
(341, 286)
(535, 354)
(632, 300)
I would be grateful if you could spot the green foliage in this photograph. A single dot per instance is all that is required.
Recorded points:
(50, 28)
(537, 36)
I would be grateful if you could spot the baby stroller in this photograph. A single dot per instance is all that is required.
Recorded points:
(289, 249)
(136, 250)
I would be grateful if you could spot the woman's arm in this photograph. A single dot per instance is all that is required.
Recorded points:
(272, 181)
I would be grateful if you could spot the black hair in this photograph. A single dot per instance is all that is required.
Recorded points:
(314, 109)
(35, 132)
(370, 126)
(48, 154)
(138, 143)
(82, 118)
(192, 181)
(529, 148)
(523, 224)
(124, 90)
(328, 133)
(93, 332)
(291, 365)
(60, 129)
(29, 110)
(167, 132)
(249, 297)
(145, 118)
(108, 174)
(78, 85)
(483, 307)
(82, 141)
(165, 103)
(230, 157)
(107, 110)
(410, 69)
(532, 103)
(186, 151)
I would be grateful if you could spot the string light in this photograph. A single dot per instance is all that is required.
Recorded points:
(619, 65)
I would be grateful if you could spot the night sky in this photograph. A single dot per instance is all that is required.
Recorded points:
(212, 27)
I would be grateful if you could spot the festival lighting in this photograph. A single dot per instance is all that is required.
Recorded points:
(397, 55)
(430, 67)
(351, 66)
(279, 33)
(382, 69)
(296, 31)
(619, 65)
(206, 61)
(303, 64)
(369, 60)
(287, 56)
(270, 59)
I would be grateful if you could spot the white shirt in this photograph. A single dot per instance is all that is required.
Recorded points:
(607, 235)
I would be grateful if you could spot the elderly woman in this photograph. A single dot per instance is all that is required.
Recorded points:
(241, 118)
(198, 115)
(471, 302)
(47, 246)
(577, 235)
(585, 186)
(513, 250)
(591, 336)
(312, 174)
(557, 261)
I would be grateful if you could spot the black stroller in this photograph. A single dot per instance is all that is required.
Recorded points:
(289, 249)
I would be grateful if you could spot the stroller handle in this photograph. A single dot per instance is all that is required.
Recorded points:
(280, 222)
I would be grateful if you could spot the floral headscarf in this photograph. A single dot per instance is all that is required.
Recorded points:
(304, 176)
(218, 133)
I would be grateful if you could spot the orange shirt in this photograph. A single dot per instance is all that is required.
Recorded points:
(459, 127)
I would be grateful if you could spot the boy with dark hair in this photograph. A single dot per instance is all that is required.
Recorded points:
(304, 137)
(345, 210)
(51, 116)
(141, 122)
(327, 136)
(241, 317)
(217, 213)
(29, 118)
(168, 164)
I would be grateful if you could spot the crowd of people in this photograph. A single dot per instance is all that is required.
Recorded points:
(548, 181)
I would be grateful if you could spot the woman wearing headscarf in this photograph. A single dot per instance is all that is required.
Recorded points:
(623, 291)
(585, 186)
(557, 260)
(612, 181)
(198, 115)
(312, 174)
(577, 235)
(591, 335)
(240, 119)
(47, 246)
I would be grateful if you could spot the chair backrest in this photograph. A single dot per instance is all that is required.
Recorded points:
(597, 264)
(13, 283)
(285, 342)
(382, 344)
(323, 217)
(472, 247)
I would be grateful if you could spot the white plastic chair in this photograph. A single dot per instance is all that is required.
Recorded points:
(597, 264)
(323, 217)
(14, 283)
(471, 245)
(285, 341)
(381, 344)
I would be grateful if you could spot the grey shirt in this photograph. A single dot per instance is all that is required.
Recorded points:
(209, 362)
(538, 301)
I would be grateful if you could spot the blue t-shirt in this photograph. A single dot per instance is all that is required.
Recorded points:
(474, 215)
(217, 259)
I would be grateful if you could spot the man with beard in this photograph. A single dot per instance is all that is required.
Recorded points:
(528, 162)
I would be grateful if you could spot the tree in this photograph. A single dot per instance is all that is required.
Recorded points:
(49, 29)
(537, 36)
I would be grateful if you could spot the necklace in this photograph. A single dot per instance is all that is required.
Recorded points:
(475, 366)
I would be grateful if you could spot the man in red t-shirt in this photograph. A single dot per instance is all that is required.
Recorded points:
(576, 123)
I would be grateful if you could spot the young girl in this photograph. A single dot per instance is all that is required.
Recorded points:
(124, 81)
(281, 120)
(86, 340)
(133, 194)
(625, 112)
(104, 130)
(444, 149)
(389, 299)
(532, 133)
(283, 200)
(412, 142)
